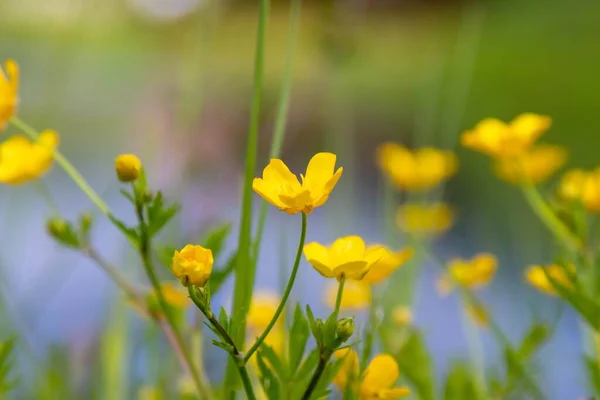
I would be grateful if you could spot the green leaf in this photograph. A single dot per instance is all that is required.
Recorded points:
(459, 383)
(128, 196)
(131, 233)
(159, 214)
(593, 373)
(308, 365)
(415, 363)
(215, 238)
(6, 364)
(268, 379)
(329, 336)
(332, 368)
(316, 326)
(223, 319)
(227, 347)
(218, 278)
(298, 338)
(277, 364)
(537, 335)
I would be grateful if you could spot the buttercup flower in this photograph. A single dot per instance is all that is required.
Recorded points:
(262, 308)
(174, 295)
(499, 139)
(9, 91)
(536, 277)
(356, 295)
(347, 256)
(128, 167)
(281, 188)
(193, 265)
(386, 265)
(473, 273)
(533, 166)
(583, 186)
(425, 218)
(402, 316)
(416, 170)
(378, 380)
(22, 160)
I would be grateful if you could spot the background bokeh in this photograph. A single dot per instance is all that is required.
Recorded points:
(171, 81)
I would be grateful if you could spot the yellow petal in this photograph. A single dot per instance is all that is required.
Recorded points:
(322, 197)
(530, 126)
(318, 256)
(356, 295)
(347, 249)
(381, 373)
(319, 171)
(386, 265)
(268, 192)
(351, 270)
(348, 372)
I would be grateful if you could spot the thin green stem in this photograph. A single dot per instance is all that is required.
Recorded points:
(314, 380)
(476, 354)
(245, 270)
(282, 108)
(145, 253)
(67, 166)
(338, 298)
(549, 218)
(286, 294)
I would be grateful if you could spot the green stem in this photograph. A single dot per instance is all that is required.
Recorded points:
(282, 109)
(245, 270)
(549, 218)
(338, 298)
(286, 294)
(475, 351)
(145, 247)
(67, 166)
(314, 380)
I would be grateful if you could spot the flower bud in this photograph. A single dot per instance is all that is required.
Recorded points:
(62, 232)
(344, 329)
(193, 265)
(128, 167)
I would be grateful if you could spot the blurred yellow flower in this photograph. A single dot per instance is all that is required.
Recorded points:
(387, 264)
(356, 295)
(499, 139)
(416, 170)
(425, 218)
(262, 308)
(533, 166)
(378, 380)
(9, 91)
(128, 167)
(536, 277)
(473, 273)
(174, 295)
(478, 314)
(149, 393)
(281, 187)
(193, 265)
(402, 316)
(22, 160)
(347, 256)
(583, 186)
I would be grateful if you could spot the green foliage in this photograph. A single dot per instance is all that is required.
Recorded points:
(215, 238)
(416, 365)
(459, 383)
(298, 338)
(7, 381)
(592, 369)
(159, 213)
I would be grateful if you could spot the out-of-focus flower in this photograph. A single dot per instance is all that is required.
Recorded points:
(193, 265)
(402, 316)
(281, 187)
(425, 218)
(9, 91)
(173, 295)
(356, 295)
(536, 277)
(347, 256)
(478, 314)
(22, 160)
(582, 186)
(387, 264)
(262, 308)
(416, 170)
(378, 380)
(533, 166)
(499, 139)
(149, 393)
(473, 273)
(128, 167)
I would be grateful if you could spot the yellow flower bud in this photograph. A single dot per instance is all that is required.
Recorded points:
(193, 265)
(128, 167)
(402, 316)
(9, 91)
(344, 329)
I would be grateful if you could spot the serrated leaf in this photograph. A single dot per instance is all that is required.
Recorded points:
(131, 233)
(298, 338)
(415, 363)
(159, 214)
(215, 238)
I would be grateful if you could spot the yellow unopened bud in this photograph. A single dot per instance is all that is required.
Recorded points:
(128, 167)
(344, 329)
(193, 265)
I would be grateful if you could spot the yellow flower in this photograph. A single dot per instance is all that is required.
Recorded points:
(416, 170)
(22, 160)
(533, 166)
(347, 256)
(387, 264)
(425, 218)
(478, 314)
(583, 186)
(473, 273)
(499, 139)
(536, 277)
(377, 382)
(193, 265)
(128, 167)
(9, 91)
(262, 308)
(281, 188)
(174, 296)
(356, 295)
(402, 316)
